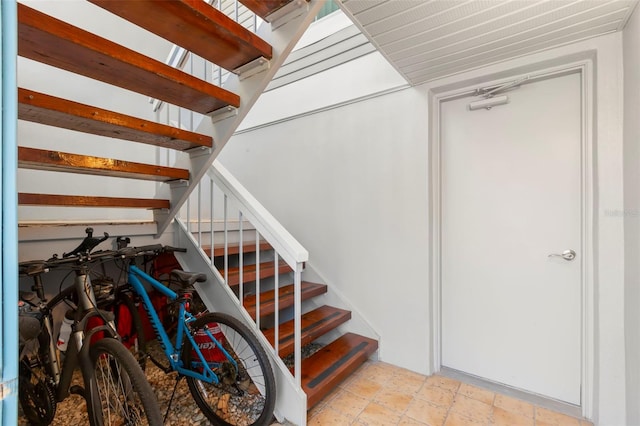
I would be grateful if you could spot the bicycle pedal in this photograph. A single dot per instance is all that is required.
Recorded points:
(77, 390)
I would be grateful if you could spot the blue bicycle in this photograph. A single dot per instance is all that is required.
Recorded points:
(227, 370)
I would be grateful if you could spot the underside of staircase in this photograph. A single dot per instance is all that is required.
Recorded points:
(207, 32)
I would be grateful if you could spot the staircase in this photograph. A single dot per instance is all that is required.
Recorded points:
(252, 58)
(194, 25)
(338, 357)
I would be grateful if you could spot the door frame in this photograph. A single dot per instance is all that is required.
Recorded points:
(584, 64)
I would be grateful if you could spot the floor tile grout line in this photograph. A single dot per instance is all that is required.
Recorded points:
(444, 422)
(397, 375)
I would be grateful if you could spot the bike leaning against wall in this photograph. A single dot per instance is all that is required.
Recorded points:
(115, 387)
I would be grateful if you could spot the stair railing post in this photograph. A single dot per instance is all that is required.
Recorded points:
(297, 325)
(200, 214)
(236, 11)
(276, 288)
(189, 215)
(241, 259)
(211, 220)
(226, 244)
(258, 280)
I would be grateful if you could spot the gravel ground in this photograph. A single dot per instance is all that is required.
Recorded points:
(183, 412)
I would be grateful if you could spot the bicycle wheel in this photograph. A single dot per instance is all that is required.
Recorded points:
(129, 326)
(124, 397)
(36, 395)
(36, 391)
(245, 395)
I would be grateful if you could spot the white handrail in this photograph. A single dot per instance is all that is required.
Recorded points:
(281, 240)
(268, 229)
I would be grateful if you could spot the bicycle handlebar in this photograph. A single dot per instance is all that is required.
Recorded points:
(89, 243)
(82, 255)
(36, 267)
(153, 249)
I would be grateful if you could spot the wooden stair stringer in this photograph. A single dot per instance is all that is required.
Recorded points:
(282, 40)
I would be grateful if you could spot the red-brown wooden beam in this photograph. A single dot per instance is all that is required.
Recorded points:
(285, 298)
(28, 199)
(324, 370)
(53, 111)
(314, 324)
(234, 248)
(40, 159)
(264, 8)
(48, 40)
(196, 26)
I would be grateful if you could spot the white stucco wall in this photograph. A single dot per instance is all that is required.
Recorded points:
(351, 183)
(631, 52)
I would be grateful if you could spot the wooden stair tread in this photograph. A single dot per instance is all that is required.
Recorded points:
(28, 199)
(325, 369)
(264, 8)
(196, 26)
(250, 272)
(53, 111)
(48, 40)
(233, 249)
(314, 324)
(285, 298)
(40, 159)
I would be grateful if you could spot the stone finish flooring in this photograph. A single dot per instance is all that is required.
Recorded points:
(382, 394)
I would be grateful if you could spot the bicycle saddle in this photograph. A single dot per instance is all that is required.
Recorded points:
(27, 296)
(29, 327)
(187, 279)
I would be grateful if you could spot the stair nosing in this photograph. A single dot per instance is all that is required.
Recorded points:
(207, 26)
(53, 111)
(32, 199)
(334, 370)
(309, 290)
(309, 333)
(40, 159)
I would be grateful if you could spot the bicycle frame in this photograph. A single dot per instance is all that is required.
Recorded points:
(78, 350)
(135, 274)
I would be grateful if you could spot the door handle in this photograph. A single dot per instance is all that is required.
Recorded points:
(567, 255)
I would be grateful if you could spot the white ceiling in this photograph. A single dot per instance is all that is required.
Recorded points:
(430, 39)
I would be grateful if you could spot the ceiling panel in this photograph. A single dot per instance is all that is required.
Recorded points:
(429, 39)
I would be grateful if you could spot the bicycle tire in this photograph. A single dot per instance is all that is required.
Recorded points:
(36, 391)
(125, 396)
(247, 399)
(129, 326)
(36, 396)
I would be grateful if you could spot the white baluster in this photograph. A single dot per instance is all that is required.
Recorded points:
(241, 262)
(276, 288)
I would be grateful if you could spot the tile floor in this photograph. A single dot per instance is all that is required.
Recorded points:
(382, 394)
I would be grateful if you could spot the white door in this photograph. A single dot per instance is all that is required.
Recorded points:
(511, 196)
